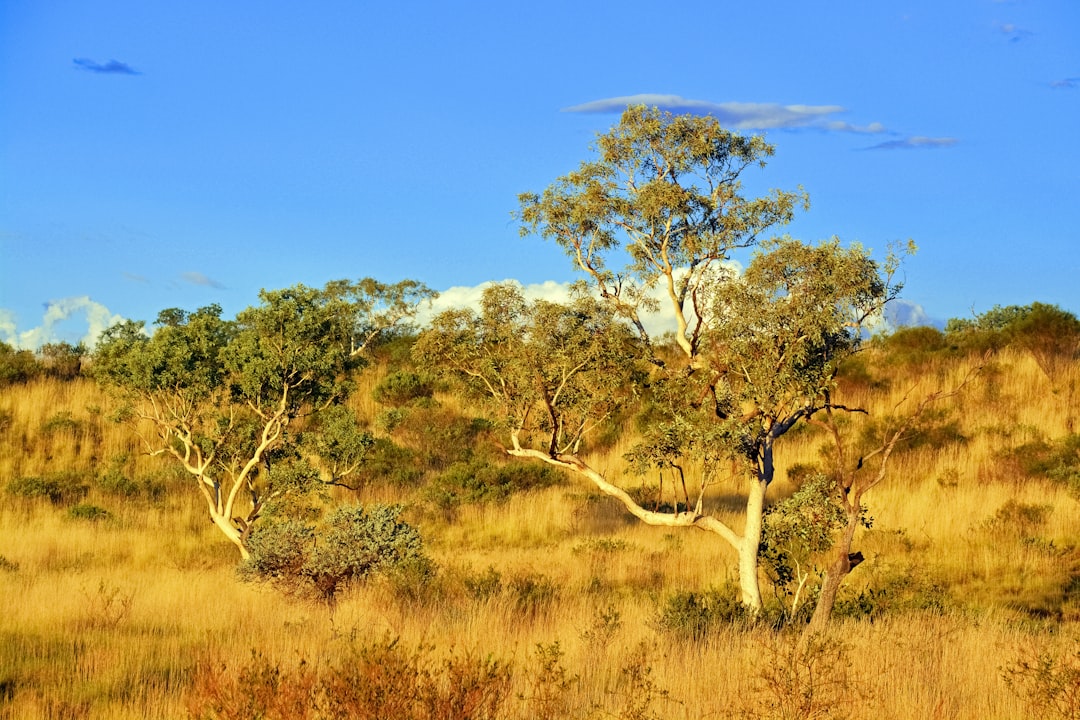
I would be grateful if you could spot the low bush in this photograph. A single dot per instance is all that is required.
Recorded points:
(691, 615)
(347, 546)
(479, 481)
(401, 388)
(381, 680)
(57, 488)
(85, 511)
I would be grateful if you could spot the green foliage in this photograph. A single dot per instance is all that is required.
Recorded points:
(16, 366)
(1017, 519)
(221, 394)
(797, 530)
(349, 544)
(666, 189)
(62, 360)
(438, 436)
(480, 481)
(401, 388)
(85, 511)
(339, 441)
(544, 368)
(912, 346)
(1049, 333)
(60, 488)
(689, 615)
(389, 462)
(485, 585)
(1058, 460)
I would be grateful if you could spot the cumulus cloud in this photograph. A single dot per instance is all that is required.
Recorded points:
(112, 67)
(98, 318)
(916, 142)
(905, 313)
(197, 278)
(656, 322)
(738, 115)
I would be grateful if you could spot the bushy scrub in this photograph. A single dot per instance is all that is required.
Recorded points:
(59, 488)
(692, 615)
(479, 481)
(401, 388)
(349, 545)
(1058, 461)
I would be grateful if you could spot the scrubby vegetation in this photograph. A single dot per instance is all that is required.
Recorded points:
(473, 587)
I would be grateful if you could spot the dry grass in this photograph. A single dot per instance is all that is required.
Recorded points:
(114, 618)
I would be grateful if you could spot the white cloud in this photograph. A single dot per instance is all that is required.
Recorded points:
(905, 313)
(738, 115)
(656, 322)
(98, 319)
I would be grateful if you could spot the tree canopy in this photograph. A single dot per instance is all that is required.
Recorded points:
(219, 394)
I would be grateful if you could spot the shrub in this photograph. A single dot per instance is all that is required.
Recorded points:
(1018, 519)
(16, 366)
(1050, 685)
(533, 593)
(401, 388)
(695, 615)
(85, 511)
(478, 481)
(349, 545)
(1058, 461)
(58, 488)
(808, 679)
(484, 585)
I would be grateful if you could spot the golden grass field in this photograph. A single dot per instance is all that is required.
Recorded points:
(133, 615)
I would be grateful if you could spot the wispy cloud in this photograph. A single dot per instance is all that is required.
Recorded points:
(113, 67)
(136, 278)
(738, 115)
(917, 142)
(197, 278)
(98, 319)
(1014, 32)
(1066, 83)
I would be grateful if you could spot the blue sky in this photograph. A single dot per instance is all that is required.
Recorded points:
(158, 155)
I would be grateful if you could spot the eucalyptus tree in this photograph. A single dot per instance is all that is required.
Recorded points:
(218, 395)
(757, 353)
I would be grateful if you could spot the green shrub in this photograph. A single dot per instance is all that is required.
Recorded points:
(1018, 519)
(478, 481)
(17, 366)
(695, 615)
(347, 546)
(85, 511)
(484, 585)
(58, 488)
(401, 388)
(1058, 461)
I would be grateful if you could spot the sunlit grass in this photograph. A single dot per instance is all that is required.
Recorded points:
(111, 618)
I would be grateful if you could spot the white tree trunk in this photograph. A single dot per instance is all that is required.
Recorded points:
(749, 583)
